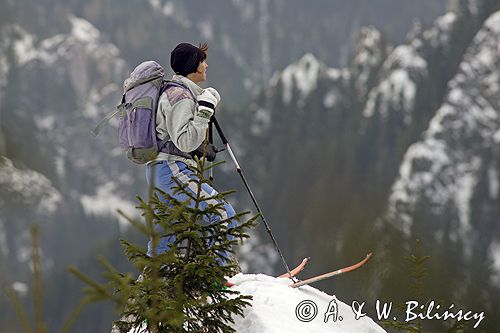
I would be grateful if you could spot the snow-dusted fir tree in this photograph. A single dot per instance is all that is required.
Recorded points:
(181, 290)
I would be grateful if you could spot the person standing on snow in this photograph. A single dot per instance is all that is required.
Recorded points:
(182, 121)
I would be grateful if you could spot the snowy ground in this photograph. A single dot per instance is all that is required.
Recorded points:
(276, 309)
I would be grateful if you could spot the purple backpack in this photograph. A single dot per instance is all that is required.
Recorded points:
(137, 124)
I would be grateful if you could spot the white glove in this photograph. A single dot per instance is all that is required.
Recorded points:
(206, 104)
(214, 92)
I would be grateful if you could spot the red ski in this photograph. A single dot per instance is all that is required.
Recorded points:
(331, 274)
(294, 271)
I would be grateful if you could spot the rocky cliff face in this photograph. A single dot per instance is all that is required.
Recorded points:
(451, 173)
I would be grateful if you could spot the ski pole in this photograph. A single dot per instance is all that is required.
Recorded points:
(238, 168)
(211, 141)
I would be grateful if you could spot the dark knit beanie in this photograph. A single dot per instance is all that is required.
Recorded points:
(186, 58)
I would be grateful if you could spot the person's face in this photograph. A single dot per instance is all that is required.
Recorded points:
(201, 73)
(202, 70)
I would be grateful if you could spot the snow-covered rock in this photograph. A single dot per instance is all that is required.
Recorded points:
(27, 187)
(402, 70)
(444, 168)
(276, 308)
(300, 79)
(369, 55)
(439, 34)
(302, 75)
(20, 188)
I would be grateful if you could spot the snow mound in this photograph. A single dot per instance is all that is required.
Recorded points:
(277, 308)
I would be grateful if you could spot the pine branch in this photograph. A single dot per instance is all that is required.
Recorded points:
(96, 291)
(39, 324)
(18, 307)
(136, 224)
(213, 165)
(71, 320)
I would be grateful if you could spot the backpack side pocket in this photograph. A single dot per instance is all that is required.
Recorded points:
(137, 130)
(142, 123)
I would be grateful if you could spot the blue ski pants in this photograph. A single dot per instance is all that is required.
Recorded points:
(163, 174)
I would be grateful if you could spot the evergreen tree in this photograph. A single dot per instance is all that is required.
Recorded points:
(181, 290)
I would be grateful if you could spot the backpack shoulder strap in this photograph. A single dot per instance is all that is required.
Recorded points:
(169, 83)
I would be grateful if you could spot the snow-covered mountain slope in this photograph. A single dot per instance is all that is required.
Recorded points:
(385, 99)
(60, 87)
(445, 168)
(277, 308)
(21, 188)
(93, 70)
(68, 74)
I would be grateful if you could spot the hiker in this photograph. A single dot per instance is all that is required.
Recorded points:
(182, 119)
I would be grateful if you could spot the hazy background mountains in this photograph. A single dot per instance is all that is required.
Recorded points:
(362, 125)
